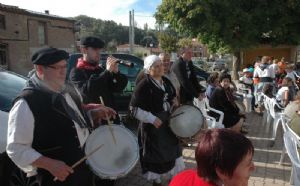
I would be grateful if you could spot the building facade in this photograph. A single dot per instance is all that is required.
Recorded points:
(287, 51)
(22, 32)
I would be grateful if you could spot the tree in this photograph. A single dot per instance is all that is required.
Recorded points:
(111, 32)
(234, 25)
(184, 42)
(167, 42)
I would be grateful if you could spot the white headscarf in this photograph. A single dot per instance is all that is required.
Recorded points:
(149, 61)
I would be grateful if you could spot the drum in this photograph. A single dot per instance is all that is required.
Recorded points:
(112, 161)
(186, 121)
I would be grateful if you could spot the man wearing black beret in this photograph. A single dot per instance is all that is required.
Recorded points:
(48, 124)
(93, 80)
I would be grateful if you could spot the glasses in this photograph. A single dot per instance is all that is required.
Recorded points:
(57, 67)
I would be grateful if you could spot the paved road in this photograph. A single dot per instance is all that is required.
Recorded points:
(268, 172)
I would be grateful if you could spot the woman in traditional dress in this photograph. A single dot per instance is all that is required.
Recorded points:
(151, 103)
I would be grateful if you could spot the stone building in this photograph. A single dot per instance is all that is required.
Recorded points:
(22, 32)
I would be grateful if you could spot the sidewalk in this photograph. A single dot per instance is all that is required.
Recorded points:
(266, 159)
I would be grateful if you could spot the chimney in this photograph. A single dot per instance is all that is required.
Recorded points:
(47, 12)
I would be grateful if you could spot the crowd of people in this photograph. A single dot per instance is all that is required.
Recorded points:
(52, 118)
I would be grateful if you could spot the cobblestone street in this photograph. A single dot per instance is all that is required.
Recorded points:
(268, 171)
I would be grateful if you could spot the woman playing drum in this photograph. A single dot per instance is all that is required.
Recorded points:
(151, 103)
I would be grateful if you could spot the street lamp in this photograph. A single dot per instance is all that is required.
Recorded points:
(151, 45)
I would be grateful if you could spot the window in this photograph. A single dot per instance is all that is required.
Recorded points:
(42, 33)
(2, 22)
(3, 55)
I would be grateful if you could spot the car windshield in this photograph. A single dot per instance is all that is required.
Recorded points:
(11, 85)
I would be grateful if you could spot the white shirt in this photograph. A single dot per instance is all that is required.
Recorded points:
(280, 94)
(267, 72)
(274, 67)
(246, 80)
(20, 135)
(291, 75)
(144, 116)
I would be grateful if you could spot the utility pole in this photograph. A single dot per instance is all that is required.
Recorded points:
(131, 31)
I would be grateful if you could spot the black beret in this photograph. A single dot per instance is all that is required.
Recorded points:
(49, 56)
(93, 42)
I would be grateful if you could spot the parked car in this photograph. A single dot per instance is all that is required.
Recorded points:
(123, 98)
(219, 65)
(11, 85)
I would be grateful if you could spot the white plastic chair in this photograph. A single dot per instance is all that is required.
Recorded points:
(271, 115)
(292, 143)
(285, 120)
(274, 115)
(246, 93)
(211, 121)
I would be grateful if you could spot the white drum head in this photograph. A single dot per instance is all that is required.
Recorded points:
(112, 161)
(186, 121)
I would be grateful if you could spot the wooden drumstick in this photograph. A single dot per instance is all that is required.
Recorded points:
(84, 158)
(109, 122)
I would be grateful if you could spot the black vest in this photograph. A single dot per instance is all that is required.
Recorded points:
(55, 136)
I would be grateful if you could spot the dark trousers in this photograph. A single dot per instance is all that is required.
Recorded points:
(104, 182)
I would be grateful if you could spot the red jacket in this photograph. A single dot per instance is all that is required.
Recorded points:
(189, 178)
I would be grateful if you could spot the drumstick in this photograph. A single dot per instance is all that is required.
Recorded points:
(84, 158)
(109, 122)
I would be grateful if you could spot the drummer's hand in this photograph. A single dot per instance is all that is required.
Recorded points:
(57, 168)
(102, 112)
(157, 123)
(112, 65)
(60, 170)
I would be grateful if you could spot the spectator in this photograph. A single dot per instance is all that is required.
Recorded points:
(223, 157)
(290, 72)
(246, 79)
(222, 99)
(293, 106)
(286, 93)
(213, 82)
(292, 110)
(165, 59)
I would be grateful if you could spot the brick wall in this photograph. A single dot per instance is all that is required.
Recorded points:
(21, 37)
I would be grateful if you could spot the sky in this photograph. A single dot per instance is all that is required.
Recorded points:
(116, 10)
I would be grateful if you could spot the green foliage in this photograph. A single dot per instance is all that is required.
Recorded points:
(234, 25)
(185, 42)
(110, 31)
(167, 42)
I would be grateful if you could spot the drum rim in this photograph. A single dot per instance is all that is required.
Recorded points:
(123, 173)
(203, 120)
